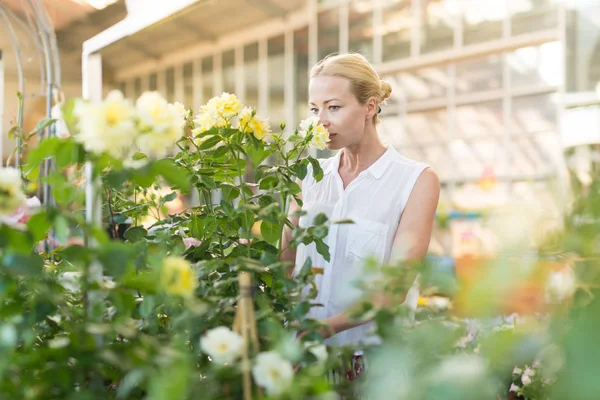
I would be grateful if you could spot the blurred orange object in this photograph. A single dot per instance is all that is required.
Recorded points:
(484, 291)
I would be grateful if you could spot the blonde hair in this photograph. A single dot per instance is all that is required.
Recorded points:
(364, 80)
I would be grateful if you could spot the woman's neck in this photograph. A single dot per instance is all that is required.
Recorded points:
(357, 158)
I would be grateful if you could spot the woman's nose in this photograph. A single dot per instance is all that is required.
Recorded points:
(323, 118)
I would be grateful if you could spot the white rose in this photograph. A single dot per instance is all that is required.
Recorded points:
(108, 127)
(517, 371)
(273, 373)
(560, 285)
(526, 380)
(11, 191)
(513, 388)
(318, 350)
(222, 345)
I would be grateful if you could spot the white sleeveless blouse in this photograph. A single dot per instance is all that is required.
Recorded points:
(374, 200)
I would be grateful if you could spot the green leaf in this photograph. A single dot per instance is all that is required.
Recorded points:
(116, 257)
(317, 170)
(270, 232)
(22, 264)
(247, 218)
(39, 225)
(41, 125)
(135, 234)
(175, 175)
(268, 182)
(210, 142)
(322, 249)
(294, 188)
(300, 169)
(67, 153)
(61, 229)
(256, 153)
(43, 150)
(170, 197)
(145, 176)
(320, 219)
(147, 306)
(229, 191)
(116, 178)
(267, 278)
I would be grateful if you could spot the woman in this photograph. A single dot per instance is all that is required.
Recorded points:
(391, 199)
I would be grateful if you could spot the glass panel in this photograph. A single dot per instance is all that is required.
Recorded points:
(275, 67)
(396, 29)
(391, 131)
(414, 153)
(170, 83)
(153, 82)
(536, 65)
(526, 157)
(479, 120)
(438, 26)
(536, 113)
(360, 20)
(532, 15)
(427, 83)
(479, 75)
(188, 85)
(427, 126)
(328, 32)
(473, 157)
(137, 88)
(207, 79)
(123, 88)
(228, 66)
(482, 23)
(583, 50)
(250, 75)
(301, 75)
(550, 145)
(437, 158)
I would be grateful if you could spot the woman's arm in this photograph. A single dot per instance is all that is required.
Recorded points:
(411, 240)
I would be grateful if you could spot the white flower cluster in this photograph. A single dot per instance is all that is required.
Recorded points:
(11, 191)
(120, 129)
(525, 378)
(320, 135)
(271, 370)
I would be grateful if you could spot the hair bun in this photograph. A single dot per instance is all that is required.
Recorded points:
(386, 91)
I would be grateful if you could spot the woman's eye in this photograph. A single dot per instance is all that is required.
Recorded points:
(334, 108)
(314, 110)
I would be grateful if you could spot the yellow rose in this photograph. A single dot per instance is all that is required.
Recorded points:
(320, 137)
(313, 126)
(228, 106)
(250, 123)
(177, 277)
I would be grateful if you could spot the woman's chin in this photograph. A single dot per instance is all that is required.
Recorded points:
(332, 145)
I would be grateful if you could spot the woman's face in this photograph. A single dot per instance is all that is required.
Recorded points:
(338, 109)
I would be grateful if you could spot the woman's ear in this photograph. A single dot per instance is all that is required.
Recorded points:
(371, 108)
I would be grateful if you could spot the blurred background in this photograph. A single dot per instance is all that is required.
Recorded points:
(496, 95)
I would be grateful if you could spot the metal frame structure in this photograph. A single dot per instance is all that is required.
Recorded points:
(36, 24)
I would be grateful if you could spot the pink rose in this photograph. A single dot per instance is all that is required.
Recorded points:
(191, 242)
(22, 214)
